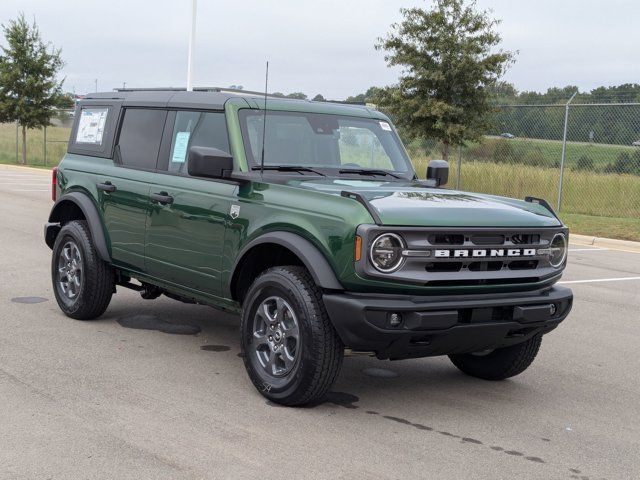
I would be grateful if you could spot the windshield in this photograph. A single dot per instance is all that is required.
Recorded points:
(332, 144)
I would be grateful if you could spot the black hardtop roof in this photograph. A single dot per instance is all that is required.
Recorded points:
(166, 98)
(210, 98)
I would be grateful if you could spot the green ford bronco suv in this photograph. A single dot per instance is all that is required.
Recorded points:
(309, 220)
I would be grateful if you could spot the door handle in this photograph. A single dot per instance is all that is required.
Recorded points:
(106, 186)
(163, 198)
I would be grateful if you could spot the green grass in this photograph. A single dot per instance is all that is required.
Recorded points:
(43, 167)
(57, 138)
(594, 203)
(608, 227)
(605, 205)
(537, 152)
(551, 150)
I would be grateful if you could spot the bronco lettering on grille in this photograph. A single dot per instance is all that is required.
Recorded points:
(482, 253)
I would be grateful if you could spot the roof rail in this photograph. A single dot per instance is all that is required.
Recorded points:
(195, 89)
(232, 90)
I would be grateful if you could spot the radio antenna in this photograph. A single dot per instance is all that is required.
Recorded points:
(264, 119)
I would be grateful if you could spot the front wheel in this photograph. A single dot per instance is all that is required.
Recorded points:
(291, 351)
(500, 363)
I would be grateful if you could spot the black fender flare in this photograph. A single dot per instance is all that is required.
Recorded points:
(312, 258)
(91, 214)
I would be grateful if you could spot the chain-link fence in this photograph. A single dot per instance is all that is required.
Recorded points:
(45, 146)
(583, 159)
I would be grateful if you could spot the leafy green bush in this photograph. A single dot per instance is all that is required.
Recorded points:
(584, 163)
(623, 164)
(535, 158)
(503, 152)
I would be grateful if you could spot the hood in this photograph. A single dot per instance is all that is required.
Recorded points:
(407, 203)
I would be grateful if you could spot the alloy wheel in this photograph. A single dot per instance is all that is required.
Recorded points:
(276, 336)
(70, 270)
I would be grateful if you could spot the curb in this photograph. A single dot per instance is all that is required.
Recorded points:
(8, 166)
(610, 243)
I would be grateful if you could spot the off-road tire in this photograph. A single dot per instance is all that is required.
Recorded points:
(501, 363)
(321, 351)
(97, 284)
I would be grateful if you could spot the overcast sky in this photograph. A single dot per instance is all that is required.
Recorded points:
(320, 46)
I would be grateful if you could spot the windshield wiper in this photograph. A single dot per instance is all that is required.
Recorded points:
(368, 171)
(288, 168)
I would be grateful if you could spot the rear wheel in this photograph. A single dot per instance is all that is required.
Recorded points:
(291, 351)
(500, 363)
(82, 282)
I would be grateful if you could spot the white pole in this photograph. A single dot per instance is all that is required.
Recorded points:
(564, 149)
(192, 39)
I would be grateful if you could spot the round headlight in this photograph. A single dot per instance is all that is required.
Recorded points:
(386, 252)
(558, 250)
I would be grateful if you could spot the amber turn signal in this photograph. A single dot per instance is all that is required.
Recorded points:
(358, 250)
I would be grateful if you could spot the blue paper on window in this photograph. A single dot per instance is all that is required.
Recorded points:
(180, 147)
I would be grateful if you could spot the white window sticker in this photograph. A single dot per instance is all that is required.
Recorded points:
(385, 126)
(180, 147)
(91, 125)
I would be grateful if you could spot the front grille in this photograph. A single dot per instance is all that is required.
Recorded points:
(485, 266)
(468, 257)
(443, 267)
(446, 239)
(482, 244)
(487, 239)
(523, 265)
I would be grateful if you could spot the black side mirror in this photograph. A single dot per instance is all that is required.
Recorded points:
(209, 162)
(438, 170)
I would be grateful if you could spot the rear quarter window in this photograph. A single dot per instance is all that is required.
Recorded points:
(94, 129)
(91, 125)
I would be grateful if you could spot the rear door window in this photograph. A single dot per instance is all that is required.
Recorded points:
(140, 137)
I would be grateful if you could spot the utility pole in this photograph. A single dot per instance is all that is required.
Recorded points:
(96, 83)
(192, 39)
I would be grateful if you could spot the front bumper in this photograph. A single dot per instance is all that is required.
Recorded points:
(442, 325)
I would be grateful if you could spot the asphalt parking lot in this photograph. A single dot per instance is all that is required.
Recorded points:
(102, 400)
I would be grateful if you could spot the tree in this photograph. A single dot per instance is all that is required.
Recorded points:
(319, 98)
(450, 62)
(29, 90)
(367, 97)
(67, 101)
(297, 95)
(503, 93)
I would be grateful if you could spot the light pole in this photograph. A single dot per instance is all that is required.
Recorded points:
(564, 149)
(192, 39)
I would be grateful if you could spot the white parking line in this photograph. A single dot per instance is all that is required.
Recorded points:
(22, 175)
(588, 249)
(30, 190)
(21, 184)
(620, 279)
(17, 175)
